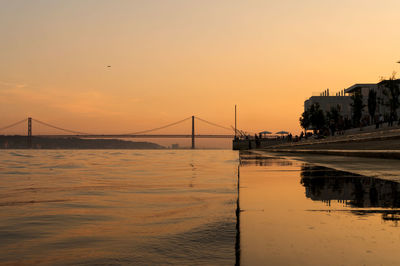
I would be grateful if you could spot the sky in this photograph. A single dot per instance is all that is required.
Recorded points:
(173, 59)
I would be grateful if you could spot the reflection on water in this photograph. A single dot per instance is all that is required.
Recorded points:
(237, 212)
(118, 207)
(191, 207)
(327, 185)
(294, 213)
(249, 158)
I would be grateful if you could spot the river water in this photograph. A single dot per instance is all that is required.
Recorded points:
(135, 207)
(118, 207)
(296, 213)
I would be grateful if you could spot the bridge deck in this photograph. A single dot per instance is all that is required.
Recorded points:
(171, 136)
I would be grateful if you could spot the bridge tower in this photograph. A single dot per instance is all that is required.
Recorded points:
(29, 132)
(193, 132)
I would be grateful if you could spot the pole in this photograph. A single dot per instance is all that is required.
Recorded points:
(237, 242)
(193, 132)
(235, 122)
(29, 132)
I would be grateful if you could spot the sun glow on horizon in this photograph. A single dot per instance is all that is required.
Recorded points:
(112, 67)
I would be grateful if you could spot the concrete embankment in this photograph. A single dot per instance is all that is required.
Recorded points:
(388, 169)
(384, 154)
(381, 144)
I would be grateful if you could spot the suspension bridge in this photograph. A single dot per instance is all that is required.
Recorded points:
(139, 134)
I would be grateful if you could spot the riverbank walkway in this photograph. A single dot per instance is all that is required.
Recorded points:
(367, 142)
(388, 169)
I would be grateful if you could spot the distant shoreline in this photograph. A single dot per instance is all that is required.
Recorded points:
(36, 142)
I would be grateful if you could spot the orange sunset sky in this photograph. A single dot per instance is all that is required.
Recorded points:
(173, 59)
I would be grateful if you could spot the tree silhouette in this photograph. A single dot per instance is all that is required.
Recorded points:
(372, 102)
(357, 107)
(305, 120)
(317, 117)
(392, 91)
(333, 116)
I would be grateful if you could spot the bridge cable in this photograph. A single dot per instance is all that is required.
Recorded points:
(14, 124)
(158, 128)
(227, 128)
(213, 124)
(62, 129)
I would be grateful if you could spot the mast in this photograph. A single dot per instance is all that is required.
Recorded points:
(235, 122)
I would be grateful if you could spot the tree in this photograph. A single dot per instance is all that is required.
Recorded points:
(357, 107)
(317, 117)
(305, 120)
(392, 92)
(372, 102)
(333, 116)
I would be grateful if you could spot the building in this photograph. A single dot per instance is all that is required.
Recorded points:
(343, 99)
(326, 102)
(175, 146)
(382, 107)
(364, 89)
